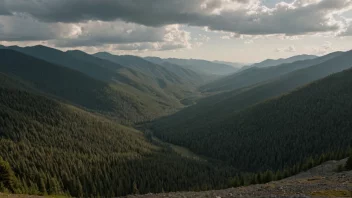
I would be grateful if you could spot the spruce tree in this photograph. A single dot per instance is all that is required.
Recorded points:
(7, 177)
(349, 163)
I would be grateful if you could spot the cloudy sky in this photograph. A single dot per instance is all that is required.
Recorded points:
(230, 30)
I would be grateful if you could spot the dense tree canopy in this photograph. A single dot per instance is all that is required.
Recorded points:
(55, 148)
(277, 133)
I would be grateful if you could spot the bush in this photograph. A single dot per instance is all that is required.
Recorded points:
(340, 168)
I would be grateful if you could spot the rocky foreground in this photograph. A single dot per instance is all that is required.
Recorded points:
(321, 181)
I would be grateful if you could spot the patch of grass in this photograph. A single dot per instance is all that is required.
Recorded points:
(269, 186)
(340, 168)
(316, 178)
(332, 193)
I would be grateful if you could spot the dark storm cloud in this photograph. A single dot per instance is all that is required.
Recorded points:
(283, 18)
(146, 12)
(130, 23)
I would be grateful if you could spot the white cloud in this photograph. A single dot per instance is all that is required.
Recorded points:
(288, 49)
(324, 48)
(248, 41)
(93, 33)
(348, 27)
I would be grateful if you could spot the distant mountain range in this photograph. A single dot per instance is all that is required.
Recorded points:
(254, 75)
(272, 62)
(200, 66)
(235, 65)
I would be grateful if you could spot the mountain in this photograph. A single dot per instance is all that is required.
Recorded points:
(275, 133)
(163, 92)
(61, 58)
(199, 66)
(165, 72)
(271, 62)
(172, 80)
(130, 77)
(256, 75)
(189, 76)
(140, 64)
(79, 89)
(57, 149)
(233, 64)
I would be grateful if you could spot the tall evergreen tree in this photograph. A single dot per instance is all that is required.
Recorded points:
(349, 163)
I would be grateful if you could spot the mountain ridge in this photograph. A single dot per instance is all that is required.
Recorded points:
(255, 125)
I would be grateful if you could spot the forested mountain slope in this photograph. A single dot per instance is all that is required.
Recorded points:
(222, 106)
(94, 67)
(188, 74)
(147, 67)
(79, 89)
(136, 81)
(140, 64)
(167, 89)
(11, 82)
(54, 148)
(276, 133)
(256, 75)
(199, 66)
(171, 80)
(61, 58)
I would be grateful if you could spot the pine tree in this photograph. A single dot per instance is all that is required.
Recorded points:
(349, 163)
(42, 186)
(135, 188)
(7, 177)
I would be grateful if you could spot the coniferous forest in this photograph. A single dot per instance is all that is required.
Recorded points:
(66, 129)
(280, 132)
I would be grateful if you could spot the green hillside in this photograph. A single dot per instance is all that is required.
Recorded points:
(142, 65)
(80, 89)
(169, 79)
(188, 75)
(54, 148)
(64, 59)
(154, 90)
(99, 69)
(276, 133)
(137, 77)
(131, 80)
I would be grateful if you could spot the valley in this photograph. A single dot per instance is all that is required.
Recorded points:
(79, 124)
(176, 98)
